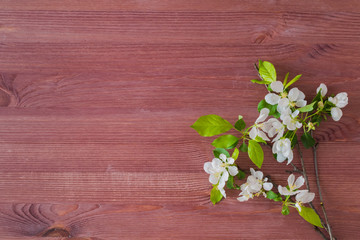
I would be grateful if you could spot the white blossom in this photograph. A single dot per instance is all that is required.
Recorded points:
(293, 185)
(272, 98)
(291, 121)
(255, 184)
(323, 89)
(274, 127)
(282, 148)
(219, 170)
(304, 196)
(340, 100)
(257, 129)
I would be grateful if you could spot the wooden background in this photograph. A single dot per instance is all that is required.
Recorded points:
(97, 98)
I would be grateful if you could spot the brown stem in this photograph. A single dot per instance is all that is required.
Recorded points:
(314, 148)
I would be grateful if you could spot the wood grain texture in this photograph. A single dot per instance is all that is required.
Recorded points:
(97, 98)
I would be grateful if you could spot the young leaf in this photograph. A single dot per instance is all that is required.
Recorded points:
(292, 81)
(241, 175)
(310, 216)
(294, 141)
(225, 141)
(259, 139)
(230, 183)
(243, 147)
(271, 195)
(218, 151)
(255, 153)
(285, 79)
(267, 71)
(307, 140)
(285, 210)
(210, 125)
(240, 124)
(307, 108)
(235, 154)
(215, 195)
(259, 81)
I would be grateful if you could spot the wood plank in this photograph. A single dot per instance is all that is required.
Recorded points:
(181, 5)
(144, 27)
(96, 221)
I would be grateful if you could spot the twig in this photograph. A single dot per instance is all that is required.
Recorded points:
(319, 189)
(307, 183)
(321, 233)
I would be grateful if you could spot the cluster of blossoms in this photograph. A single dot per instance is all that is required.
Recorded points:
(254, 186)
(302, 196)
(219, 170)
(287, 104)
(290, 112)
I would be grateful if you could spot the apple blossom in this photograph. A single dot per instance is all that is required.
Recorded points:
(323, 89)
(282, 148)
(256, 130)
(219, 170)
(304, 196)
(293, 185)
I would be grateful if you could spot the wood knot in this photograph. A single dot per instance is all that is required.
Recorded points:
(56, 232)
(5, 98)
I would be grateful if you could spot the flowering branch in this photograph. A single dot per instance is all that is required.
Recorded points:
(290, 112)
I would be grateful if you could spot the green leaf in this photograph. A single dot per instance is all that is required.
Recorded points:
(267, 71)
(310, 216)
(240, 124)
(307, 108)
(230, 183)
(211, 125)
(293, 81)
(317, 97)
(307, 140)
(285, 79)
(235, 154)
(259, 139)
(271, 195)
(285, 210)
(294, 141)
(243, 147)
(215, 195)
(241, 175)
(218, 151)
(273, 108)
(225, 141)
(259, 81)
(255, 153)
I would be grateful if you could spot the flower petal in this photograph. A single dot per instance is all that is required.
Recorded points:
(272, 98)
(222, 157)
(267, 186)
(299, 182)
(264, 113)
(208, 167)
(336, 113)
(213, 179)
(230, 160)
(323, 89)
(253, 133)
(233, 170)
(277, 86)
(291, 180)
(263, 136)
(293, 94)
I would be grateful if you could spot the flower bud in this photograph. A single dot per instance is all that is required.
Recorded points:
(310, 126)
(320, 105)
